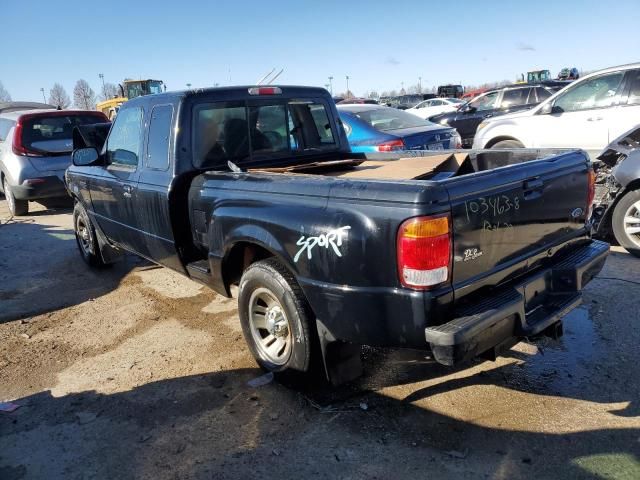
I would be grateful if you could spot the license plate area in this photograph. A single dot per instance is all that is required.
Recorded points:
(435, 146)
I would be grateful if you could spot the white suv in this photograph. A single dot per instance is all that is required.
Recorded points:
(588, 114)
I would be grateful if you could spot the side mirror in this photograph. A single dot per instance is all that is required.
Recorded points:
(83, 157)
(468, 109)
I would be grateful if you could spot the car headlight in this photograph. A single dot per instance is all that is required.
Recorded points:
(481, 126)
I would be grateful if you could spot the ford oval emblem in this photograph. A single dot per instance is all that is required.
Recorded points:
(577, 213)
(437, 137)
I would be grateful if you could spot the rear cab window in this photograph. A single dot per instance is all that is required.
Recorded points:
(240, 131)
(53, 133)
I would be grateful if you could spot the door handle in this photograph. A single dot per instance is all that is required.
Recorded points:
(594, 119)
(535, 184)
(127, 191)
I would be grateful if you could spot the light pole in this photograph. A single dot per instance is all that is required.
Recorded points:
(188, 85)
(420, 84)
(331, 85)
(104, 92)
(43, 97)
(347, 77)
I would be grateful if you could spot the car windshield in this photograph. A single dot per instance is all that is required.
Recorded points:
(390, 119)
(53, 134)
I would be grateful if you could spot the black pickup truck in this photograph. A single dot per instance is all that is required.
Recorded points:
(257, 187)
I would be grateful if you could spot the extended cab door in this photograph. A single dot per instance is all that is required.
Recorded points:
(580, 117)
(113, 190)
(153, 214)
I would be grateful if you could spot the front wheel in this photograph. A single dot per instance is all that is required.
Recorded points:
(276, 319)
(86, 237)
(625, 222)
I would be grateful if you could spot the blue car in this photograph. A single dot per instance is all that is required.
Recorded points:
(376, 128)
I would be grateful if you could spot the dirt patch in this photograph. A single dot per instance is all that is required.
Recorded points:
(137, 372)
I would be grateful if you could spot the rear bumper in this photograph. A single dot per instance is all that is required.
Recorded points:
(531, 307)
(51, 187)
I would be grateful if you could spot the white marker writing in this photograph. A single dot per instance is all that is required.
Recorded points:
(333, 239)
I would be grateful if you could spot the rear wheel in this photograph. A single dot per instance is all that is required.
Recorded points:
(86, 237)
(625, 222)
(275, 318)
(508, 144)
(16, 207)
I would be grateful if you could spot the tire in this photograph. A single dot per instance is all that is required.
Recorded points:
(508, 144)
(627, 208)
(17, 208)
(86, 238)
(276, 320)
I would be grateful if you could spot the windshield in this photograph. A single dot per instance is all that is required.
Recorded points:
(155, 87)
(54, 134)
(390, 119)
(234, 132)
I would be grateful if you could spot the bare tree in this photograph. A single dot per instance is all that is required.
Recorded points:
(414, 89)
(393, 93)
(4, 95)
(109, 91)
(373, 94)
(58, 96)
(83, 96)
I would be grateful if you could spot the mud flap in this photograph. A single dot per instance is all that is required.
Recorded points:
(108, 252)
(341, 360)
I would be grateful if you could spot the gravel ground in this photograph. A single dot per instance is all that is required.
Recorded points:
(136, 372)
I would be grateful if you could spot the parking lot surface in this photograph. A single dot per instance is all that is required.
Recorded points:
(137, 372)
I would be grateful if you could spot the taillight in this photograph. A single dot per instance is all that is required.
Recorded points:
(18, 146)
(390, 146)
(591, 192)
(265, 91)
(424, 251)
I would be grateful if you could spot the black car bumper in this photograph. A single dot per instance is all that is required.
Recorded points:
(47, 187)
(534, 306)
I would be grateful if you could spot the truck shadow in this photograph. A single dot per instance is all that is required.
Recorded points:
(41, 270)
(215, 426)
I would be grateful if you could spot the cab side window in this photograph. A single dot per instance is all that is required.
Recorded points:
(125, 140)
(159, 137)
(597, 92)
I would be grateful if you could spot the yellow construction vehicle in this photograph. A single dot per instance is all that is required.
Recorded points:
(130, 89)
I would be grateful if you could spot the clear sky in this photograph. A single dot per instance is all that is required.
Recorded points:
(379, 44)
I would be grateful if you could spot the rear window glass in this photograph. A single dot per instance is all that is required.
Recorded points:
(235, 132)
(390, 119)
(54, 133)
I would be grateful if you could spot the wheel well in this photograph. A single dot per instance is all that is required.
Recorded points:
(495, 140)
(242, 255)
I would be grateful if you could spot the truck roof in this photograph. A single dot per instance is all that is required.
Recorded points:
(235, 92)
